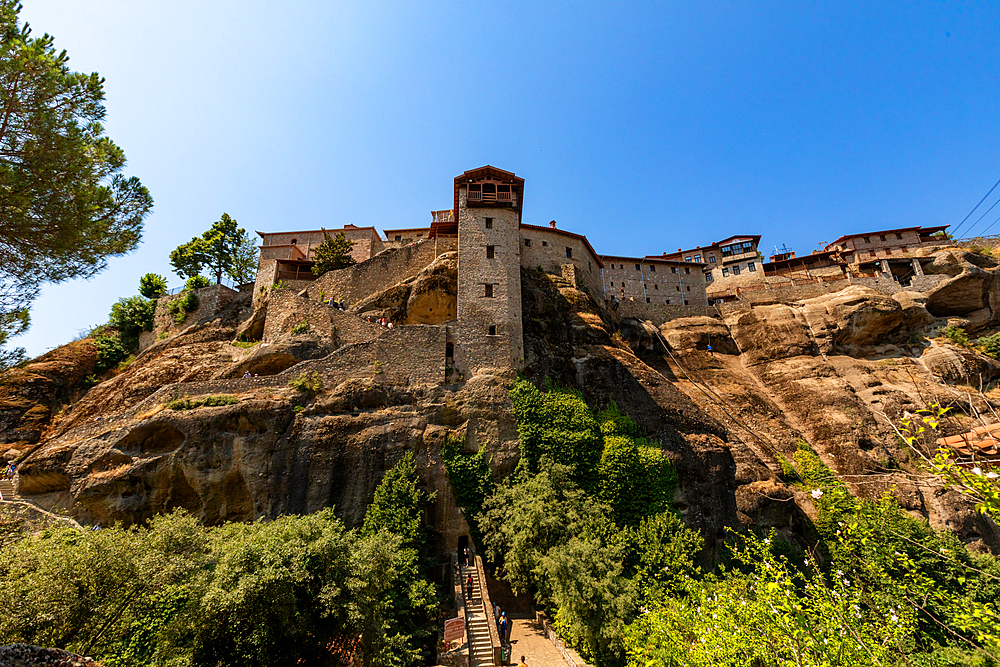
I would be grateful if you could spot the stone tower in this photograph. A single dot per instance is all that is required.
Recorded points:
(488, 221)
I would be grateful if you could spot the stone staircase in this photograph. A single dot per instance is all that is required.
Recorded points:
(6, 489)
(477, 621)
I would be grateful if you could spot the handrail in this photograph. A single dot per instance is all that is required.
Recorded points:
(484, 594)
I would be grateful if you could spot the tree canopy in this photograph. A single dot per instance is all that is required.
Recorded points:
(65, 206)
(225, 248)
(332, 254)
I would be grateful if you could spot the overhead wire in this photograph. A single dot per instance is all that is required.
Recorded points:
(959, 225)
(969, 230)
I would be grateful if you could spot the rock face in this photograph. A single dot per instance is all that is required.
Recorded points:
(729, 403)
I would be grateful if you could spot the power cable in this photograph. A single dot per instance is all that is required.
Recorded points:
(990, 226)
(969, 230)
(955, 231)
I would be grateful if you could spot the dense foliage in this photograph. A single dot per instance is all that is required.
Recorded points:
(332, 254)
(152, 286)
(296, 590)
(131, 316)
(600, 548)
(65, 206)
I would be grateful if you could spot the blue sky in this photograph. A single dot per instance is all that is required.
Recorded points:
(646, 126)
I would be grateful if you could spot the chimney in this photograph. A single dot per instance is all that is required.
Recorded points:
(679, 250)
(552, 224)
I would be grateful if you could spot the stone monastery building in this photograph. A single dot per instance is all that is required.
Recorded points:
(493, 244)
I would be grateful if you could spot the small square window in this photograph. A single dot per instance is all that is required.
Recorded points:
(697, 258)
(881, 237)
(636, 267)
(527, 243)
(751, 267)
(708, 277)
(687, 259)
(490, 252)
(686, 302)
(677, 287)
(656, 287)
(867, 240)
(492, 331)
(689, 288)
(647, 299)
(569, 252)
(544, 243)
(725, 272)
(736, 270)
(489, 290)
(398, 237)
(899, 237)
(673, 269)
(687, 269)
(652, 269)
(612, 283)
(711, 259)
(489, 223)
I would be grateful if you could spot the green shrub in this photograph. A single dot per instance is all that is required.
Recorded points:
(990, 345)
(300, 328)
(244, 343)
(298, 408)
(179, 308)
(208, 401)
(111, 351)
(956, 335)
(197, 282)
(152, 286)
(281, 284)
(308, 382)
(131, 316)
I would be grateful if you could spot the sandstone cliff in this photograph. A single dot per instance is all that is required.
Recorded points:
(829, 370)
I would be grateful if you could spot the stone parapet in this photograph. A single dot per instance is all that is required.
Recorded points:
(658, 313)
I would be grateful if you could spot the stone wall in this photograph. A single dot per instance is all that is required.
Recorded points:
(658, 313)
(380, 272)
(211, 301)
(925, 283)
(662, 283)
(286, 309)
(547, 250)
(412, 354)
(488, 330)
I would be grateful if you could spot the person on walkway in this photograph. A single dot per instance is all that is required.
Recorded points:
(465, 555)
(522, 663)
(503, 628)
(468, 588)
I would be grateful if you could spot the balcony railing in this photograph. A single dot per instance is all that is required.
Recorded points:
(491, 197)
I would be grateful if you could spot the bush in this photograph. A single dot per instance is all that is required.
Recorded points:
(990, 345)
(208, 401)
(956, 335)
(152, 286)
(197, 282)
(300, 328)
(281, 284)
(180, 308)
(110, 352)
(308, 382)
(131, 316)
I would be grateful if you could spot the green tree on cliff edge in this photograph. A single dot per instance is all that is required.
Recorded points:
(224, 248)
(65, 207)
(332, 254)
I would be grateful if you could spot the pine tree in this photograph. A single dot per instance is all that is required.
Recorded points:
(221, 249)
(332, 254)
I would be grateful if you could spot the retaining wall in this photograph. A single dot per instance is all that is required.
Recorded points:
(658, 313)
(380, 272)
